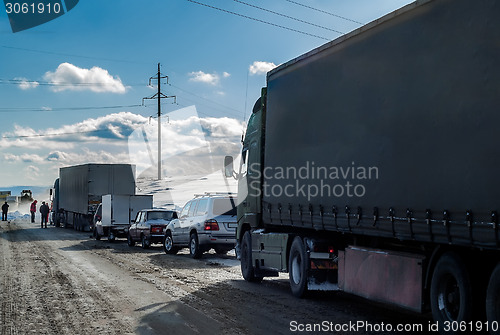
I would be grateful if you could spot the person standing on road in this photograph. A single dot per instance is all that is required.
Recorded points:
(5, 209)
(44, 211)
(33, 211)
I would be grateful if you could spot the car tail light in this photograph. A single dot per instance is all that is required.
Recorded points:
(156, 229)
(211, 225)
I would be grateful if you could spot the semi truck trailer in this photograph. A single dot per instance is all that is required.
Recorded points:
(370, 165)
(79, 189)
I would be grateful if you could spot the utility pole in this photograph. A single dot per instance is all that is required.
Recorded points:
(159, 95)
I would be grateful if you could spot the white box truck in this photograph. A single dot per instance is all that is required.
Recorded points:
(116, 211)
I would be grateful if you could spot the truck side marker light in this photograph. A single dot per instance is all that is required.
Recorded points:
(494, 221)
(311, 215)
(279, 211)
(335, 212)
(446, 223)
(322, 214)
(391, 217)
(359, 215)
(468, 220)
(375, 216)
(409, 217)
(300, 214)
(428, 220)
(347, 214)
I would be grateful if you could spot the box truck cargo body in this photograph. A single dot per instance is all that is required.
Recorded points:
(79, 189)
(370, 164)
(117, 212)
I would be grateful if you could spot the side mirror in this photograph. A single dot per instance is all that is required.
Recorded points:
(228, 166)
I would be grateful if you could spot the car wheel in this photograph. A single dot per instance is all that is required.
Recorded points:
(168, 245)
(247, 269)
(298, 268)
(130, 241)
(194, 247)
(145, 242)
(451, 294)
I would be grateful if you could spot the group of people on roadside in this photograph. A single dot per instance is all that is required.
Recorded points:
(44, 212)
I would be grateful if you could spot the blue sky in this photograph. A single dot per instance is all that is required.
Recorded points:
(206, 53)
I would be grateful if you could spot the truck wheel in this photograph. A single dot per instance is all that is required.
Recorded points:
(451, 293)
(493, 300)
(130, 241)
(168, 245)
(194, 247)
(247, 269)
(298, 267)
(145, 242)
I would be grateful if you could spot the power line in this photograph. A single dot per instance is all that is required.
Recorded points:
(71, 55)
(325, 12)
(259, 20)
(288, 17)
(57, 109)
(211, 101)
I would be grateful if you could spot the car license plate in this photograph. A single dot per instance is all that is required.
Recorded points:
(232, 225)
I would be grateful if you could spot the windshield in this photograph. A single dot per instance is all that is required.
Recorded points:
(224, 206)
(160, 215)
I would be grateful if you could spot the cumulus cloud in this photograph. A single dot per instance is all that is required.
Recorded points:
(109, 127)
(26, 84)
(207, 78)
(70, 77)
(190, 144)
(258, 67)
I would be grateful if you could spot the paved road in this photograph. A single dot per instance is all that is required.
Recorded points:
(59, 281)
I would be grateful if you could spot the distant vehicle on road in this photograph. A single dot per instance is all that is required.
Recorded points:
(149, 226)
(208, 221)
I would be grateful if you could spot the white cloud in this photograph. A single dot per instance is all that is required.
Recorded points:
(26, 84)
(191, 145)
(207, 78)
(70, 77)
(202, 77)
(109, 127)
(258, 67)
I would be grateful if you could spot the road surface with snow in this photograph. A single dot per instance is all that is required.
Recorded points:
(59, 281)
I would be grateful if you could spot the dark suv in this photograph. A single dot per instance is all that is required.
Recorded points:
(149, 226)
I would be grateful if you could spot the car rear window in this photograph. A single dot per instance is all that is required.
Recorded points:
(160, 215)
(224, 206)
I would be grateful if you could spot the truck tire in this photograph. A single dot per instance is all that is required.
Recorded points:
(451, 293)
(247, 269)
(168, 244)
(493, 301)
(130, 241)
(194, 247)
(298, 267)
(145, 242)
